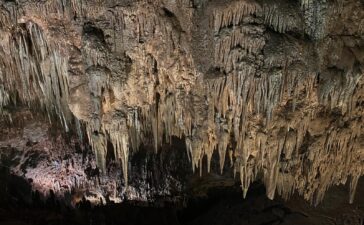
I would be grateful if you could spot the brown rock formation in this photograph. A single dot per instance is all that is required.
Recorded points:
(276, 87)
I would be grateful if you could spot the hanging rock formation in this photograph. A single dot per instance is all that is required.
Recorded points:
(276, 88)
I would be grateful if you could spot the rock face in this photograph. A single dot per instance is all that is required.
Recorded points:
(61, 166)
(275, 88)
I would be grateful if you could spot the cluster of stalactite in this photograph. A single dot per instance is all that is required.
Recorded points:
(276, 105)
(33, 70)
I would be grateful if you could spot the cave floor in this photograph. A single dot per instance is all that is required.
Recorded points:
(223, 206)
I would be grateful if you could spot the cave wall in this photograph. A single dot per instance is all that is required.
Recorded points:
(274, 87)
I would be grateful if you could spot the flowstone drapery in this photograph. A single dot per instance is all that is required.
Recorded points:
(274, 87)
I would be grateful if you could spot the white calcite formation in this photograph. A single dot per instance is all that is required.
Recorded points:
(275, 87)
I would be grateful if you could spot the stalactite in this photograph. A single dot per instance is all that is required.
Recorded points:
(4, 99)
(234, 13)
(120, 140)
(36, 71)
(264, 102)
(5, 18)
(281, 16)
(353, 185)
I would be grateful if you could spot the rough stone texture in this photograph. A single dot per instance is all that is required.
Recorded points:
(59, 165)
(274, 87)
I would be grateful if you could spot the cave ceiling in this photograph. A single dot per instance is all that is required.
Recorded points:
(274, 88)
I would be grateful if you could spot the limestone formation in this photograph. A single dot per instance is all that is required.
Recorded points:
(276, 88)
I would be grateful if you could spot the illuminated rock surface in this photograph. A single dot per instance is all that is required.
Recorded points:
(269, 91)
